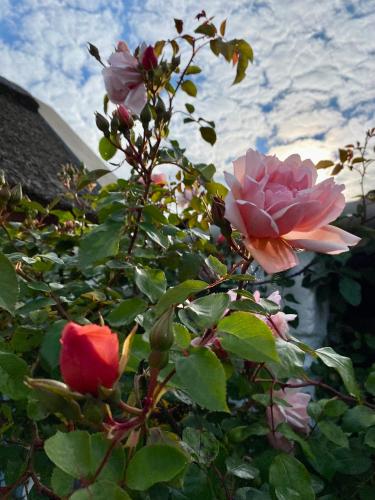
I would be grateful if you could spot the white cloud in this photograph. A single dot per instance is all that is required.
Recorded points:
(310, 89)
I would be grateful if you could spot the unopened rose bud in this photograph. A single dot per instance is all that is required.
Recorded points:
(16, 194)
(102, 123)
(161, 335)
(146, 116)
(125, 117)
(158, 359)
(149, 59)
(217, 214)
(89, 357)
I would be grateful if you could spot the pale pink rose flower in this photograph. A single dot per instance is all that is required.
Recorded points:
(277, 322)
(160, 179)
(295, 415)
(124, 81)
(278, 207)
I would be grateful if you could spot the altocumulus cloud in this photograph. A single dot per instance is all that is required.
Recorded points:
(309, 91)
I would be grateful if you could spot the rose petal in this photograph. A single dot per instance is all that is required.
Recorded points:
(328, 239)
(274, 255)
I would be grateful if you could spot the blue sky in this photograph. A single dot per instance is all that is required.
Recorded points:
(310, 90)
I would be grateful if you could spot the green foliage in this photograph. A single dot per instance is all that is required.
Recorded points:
(9, 285)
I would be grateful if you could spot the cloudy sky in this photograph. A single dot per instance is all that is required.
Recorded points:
(311, 88)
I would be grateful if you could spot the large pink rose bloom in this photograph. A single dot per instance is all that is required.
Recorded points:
(123, 80)
(295, 415)
(278, 207)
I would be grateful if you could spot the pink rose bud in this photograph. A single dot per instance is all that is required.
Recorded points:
(149, 59)
(124, 116)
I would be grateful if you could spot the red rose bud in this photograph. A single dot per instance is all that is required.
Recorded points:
(149, 59)
(89, 357)
(124, 116)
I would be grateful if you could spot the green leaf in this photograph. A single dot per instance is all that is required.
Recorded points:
(106, 149)
(101, 490)
(291, 360)
(13, 371)
(350, 290)
(80, 454)
(343, 365)
(190, 108)
(289, 433)
(370, 383)
(92, 176)
(216, 266)
(207, 171)
(206, 29)
(248, 337)
(202, 376)
(351, 462)
(151, 282)
(154, 464)
(50, 348)
(193, 70)
(9, 285)
(155, 235)
(223, 26)
(179, 25)
(101, 242)
(204, 312)
(182, 335)
(370, 437)
(178, 294)
(115, 465)
(334, 433)
(189, 87)
(208, 134)
(239, 468)
(126, 312)
(290, 479)
(242, 65)
(201, 445)
(324, 164)
(61, 482)
(358, 418)
(70, 452)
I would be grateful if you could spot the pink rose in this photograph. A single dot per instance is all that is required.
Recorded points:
(277, 207)
(277, 322)
(123, 80)
(124, 116)
(160, 179)
(295, 415)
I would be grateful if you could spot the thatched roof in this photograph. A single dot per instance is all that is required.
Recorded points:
(35, 142)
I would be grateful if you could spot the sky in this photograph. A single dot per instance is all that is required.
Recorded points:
(310, 90)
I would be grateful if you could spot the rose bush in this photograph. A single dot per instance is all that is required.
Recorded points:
(200, 392)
